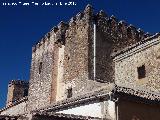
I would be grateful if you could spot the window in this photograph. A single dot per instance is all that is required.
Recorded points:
(25, 92)
(69, 93)
(40, 67)
(141, 72)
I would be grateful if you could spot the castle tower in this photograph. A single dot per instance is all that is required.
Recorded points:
(16, 90)
(76, 57)
(54, 61)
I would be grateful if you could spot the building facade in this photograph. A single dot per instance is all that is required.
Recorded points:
(93, 67)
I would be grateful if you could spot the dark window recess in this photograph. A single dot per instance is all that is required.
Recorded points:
(69, 93)
(141, 72)
(40, 67)
(25, 93)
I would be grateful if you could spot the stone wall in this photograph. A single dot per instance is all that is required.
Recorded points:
(126, 65)
(76, 57)
(82, 86)
(104, 64)
(65, 56)
(40, 80)
(58, 57)
(10, 95)
(16, 90)
(45, 68)
(112, 36)
(76, 47)
(60, 88)
(118, 33)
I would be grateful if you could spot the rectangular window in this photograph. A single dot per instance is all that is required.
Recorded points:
(25, 92)
(40, 67)
(69, 93)
(141, 72)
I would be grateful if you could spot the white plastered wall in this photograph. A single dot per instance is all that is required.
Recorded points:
(93, 110)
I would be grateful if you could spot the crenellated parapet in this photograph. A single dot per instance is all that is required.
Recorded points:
(42, 41)
(116, 32)
(81, 17)
(18, 82)
(119, 33)
(88, 12)
(60, 33)
(87, 15)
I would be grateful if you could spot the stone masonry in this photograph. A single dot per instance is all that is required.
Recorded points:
(16, 91)
(63, 59)
(75, 63)
(147, 54)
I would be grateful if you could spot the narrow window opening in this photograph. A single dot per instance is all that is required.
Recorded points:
(25, 93)
(141, 72)
(40, 67)
(69, 93)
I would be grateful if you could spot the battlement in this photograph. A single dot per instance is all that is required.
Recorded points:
(18, 82)
(61, 28)
(44, 39)
(87, 14)
(119, 31)
(111, 24)
(58, 31)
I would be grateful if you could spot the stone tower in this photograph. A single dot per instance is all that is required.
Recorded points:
(92, 66)
(61, 61)
(16, 90)
(76, 57)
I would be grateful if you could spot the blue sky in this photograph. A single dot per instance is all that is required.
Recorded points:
(22, 26)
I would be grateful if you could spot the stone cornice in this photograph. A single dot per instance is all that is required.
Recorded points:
(19, 82)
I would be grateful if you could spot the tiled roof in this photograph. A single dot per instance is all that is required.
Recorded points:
(139, 93)
(6, 117)
(105, 93)
(69, 116)
(15, 103)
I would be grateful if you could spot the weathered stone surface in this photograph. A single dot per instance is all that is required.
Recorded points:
(88, 57)
(104, 63)
(126, 65)
(66, 55)
(40, 81)
(45, 77)
(16, 91)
